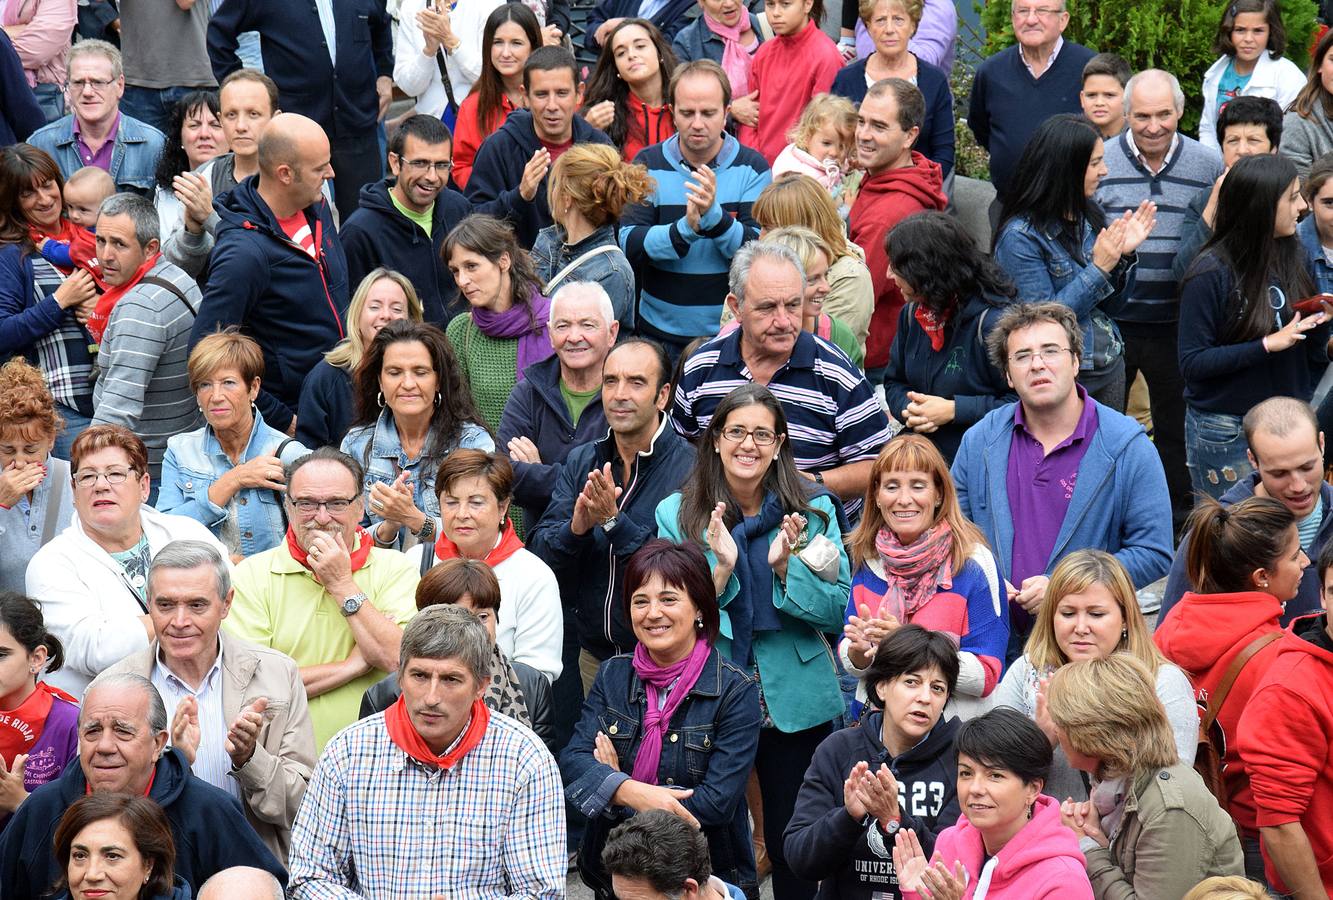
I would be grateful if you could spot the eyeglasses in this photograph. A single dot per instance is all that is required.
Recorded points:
(425, 165)
(86, 479)
(762, 436)
(1041, 12)
(1049, 355)
(97, 85)
(308, 506)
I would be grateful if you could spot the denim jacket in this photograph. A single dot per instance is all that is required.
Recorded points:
(1043, 269)
(133, 160)
(709, 747)
(610, 269)
(380, 453)
(195, 460)
(1320, 269)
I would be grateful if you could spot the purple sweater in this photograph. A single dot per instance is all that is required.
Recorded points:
(55, 747)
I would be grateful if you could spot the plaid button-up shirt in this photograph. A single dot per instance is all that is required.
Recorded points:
(375, 823)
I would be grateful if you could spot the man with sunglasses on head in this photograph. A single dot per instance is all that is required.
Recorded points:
(403, 220)
(326, 596)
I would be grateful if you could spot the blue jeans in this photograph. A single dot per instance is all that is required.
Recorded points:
(1215, 452)
(152, 105)
(51, 99)
(75, 424)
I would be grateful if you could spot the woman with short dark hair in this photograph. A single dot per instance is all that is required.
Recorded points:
(194, 136)
(117, 847)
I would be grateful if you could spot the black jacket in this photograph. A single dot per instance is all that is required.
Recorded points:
(340, 98)
(854, 861)
(536, 697)
(669, 19)
(590, 566)
(291, 304)
(498, 169)
(326, 408)
(377, 234)
(207, 824)
(20, 115)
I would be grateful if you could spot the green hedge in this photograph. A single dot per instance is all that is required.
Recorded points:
(1175, 35)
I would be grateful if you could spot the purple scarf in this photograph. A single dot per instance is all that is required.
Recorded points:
(527, 322)
(657, 717)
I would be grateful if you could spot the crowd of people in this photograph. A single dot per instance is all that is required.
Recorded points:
(637, 471)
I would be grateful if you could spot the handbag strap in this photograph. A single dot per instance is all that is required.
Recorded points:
(1219, 696)
(580, 260)
(444, 77)
(53, 500)
(163, 283)
(282, 509)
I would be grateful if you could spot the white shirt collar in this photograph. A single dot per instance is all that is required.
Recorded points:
(1170, 151)
(1050, 60)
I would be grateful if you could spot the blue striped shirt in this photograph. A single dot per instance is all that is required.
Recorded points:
(833, 417)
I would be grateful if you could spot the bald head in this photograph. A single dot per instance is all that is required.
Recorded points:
(1282, 417)
(1152, 84)
(293, 163)
(284, 139)
(241, 881)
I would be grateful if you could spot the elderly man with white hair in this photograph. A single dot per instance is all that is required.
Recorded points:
(558, 404)
(1151, 160)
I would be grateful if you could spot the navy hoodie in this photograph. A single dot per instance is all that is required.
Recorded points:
(20, 115)
(377, 234)
(854, 861)
(207, 824)
(498, 169)
(291, 304)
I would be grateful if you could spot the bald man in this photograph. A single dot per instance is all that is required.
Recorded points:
(241, 881)
(278, 270)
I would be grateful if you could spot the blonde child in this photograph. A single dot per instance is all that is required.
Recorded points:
(821, 142)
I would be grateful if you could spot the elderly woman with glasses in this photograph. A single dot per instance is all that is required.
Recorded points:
(92, 578)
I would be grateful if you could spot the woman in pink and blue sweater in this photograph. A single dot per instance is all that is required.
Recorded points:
(919, 560)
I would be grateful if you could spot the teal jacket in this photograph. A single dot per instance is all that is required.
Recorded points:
(796, 672)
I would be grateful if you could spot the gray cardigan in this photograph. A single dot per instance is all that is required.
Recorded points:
(21, 536)
(1305, 140)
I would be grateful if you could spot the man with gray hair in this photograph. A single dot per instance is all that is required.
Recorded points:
(437, 796)
(142, 382)
(1151, 160)
(834, 423)
(123, 749)
(558, 404)
(238, 711)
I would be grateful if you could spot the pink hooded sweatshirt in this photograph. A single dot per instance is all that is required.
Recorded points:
(1041, 862)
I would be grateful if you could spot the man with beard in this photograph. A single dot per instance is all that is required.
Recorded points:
(326, 596)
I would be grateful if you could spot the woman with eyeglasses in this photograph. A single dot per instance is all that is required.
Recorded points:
(1242, 339)
(92, 578)
(774, 544)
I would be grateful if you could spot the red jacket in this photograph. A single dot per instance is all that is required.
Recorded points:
(1286, 741)
(883, 201)
(787, 71)
(1202, 634)
(468, 135)
(648, 125)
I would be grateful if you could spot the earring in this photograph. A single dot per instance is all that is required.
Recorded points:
(1264, 583)
(699, 622)
(439, 398)
(1030, 805)
(379, 398)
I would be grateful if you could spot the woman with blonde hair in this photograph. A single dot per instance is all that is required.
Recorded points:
(1228, 887)
(588, 188)
(325, 411)
(918, 560)
(795, 199)
(1151, 828)
(34, 485)
(1090, 612)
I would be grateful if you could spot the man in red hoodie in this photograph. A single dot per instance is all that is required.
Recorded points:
(1286, 744)
(898, 182)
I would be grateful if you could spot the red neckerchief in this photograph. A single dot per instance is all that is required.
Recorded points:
(405, 735)
(933, 324)
(88, 788)
(508, 546)
(359, 555)
(97, 322)
(20, 727)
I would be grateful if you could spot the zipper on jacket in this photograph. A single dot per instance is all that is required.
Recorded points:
(611, 556)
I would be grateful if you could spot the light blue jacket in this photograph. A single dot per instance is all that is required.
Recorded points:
(796, 670)
(195, 460)
(380, 453)
(1120, 502)
(133, 160)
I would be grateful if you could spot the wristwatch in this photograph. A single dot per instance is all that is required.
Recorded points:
(610, 523)
(427, 531)
(892, 828)
(819, 477)
(351, 604)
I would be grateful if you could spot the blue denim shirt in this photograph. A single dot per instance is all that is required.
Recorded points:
(133, 160)
(1043, 269)
(380, 453)
(709, 746)
(195, 460)
(550, 255)
(1317, 262)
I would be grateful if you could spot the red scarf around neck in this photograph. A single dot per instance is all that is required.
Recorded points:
(20, 727)
(933, 324)
(406, 737)
(101, 316)
(508, 546)
(360, 553)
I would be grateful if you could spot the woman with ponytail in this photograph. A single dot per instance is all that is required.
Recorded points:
(1246, 563)
(38, 723)
(589, 187)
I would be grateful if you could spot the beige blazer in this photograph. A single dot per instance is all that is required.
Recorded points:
(273, 782)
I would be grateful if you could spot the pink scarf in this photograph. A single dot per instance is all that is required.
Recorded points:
(913, 572)
(736, 59)
(657, 717)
